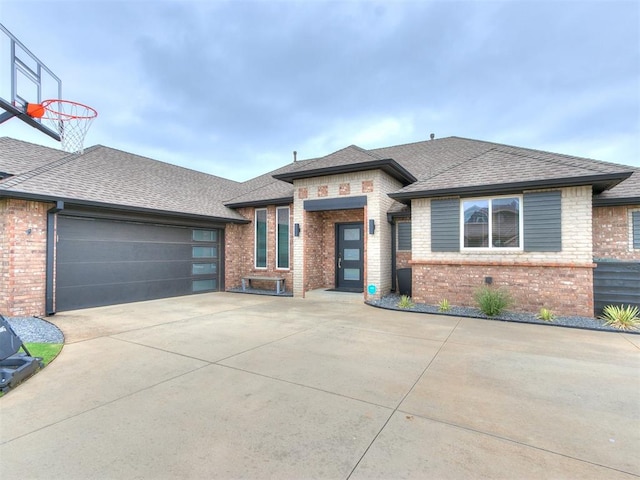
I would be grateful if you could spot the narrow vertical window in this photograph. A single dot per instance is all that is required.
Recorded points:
(261, 238)
(282, 238)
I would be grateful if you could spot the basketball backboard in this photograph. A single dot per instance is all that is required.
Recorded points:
(24, 79)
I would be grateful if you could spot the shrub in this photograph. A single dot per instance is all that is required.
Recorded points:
(619, 316)
(444, 305)
(406, 302)
(492, 301)
(546, 315)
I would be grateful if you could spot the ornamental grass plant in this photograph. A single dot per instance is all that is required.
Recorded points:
(492, 301)
(619, 316)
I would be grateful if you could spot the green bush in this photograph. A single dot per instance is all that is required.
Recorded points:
(492, 301)
(546, 315)
(619, 316)
(406, 302)
(444, 305)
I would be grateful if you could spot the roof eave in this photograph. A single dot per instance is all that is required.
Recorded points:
(599, 183)
(110, 206)
(389, 166)
(615, 201)
(261, 203)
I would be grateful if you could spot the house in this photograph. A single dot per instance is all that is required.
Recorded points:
(109, 227)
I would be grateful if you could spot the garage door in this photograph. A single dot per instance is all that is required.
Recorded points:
(106, 262)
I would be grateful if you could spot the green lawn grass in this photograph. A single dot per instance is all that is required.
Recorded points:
(48, 351)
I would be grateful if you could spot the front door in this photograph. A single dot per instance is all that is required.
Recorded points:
(349, 257)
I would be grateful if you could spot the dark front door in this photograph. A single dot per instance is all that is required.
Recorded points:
(349, 257)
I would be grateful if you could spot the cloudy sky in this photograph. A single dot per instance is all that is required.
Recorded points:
(233, 87)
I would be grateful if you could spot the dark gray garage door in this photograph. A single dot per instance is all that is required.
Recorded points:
(106, 262)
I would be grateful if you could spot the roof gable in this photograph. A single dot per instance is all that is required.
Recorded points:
(470, 167)
(348, 160)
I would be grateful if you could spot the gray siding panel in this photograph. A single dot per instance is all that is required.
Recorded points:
(445, 225)
(616, 283)
(635, 217)
(542, 221)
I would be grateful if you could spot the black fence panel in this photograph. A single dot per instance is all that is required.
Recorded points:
(616, 283)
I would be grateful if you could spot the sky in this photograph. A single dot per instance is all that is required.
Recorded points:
(232, 88)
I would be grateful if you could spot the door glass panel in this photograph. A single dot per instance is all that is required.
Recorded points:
(352, 234)
(205, 235)
(203, 268)
(352, 274)
(201, 285)
(352, 254)
(204, 252)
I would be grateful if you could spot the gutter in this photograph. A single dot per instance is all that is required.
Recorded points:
(603, 182)
(618, 201)
(122, 208)
(389, 166)
(261, 203)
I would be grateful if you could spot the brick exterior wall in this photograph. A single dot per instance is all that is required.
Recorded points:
(320, 241)
(565, 290)
(315, 249)
(23, 255)
(612, 234)
(561, 281)
(239, 240)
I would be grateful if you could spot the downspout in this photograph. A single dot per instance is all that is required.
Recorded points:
(51, 245)
(394, 256)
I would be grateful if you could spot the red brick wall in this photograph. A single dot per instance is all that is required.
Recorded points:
(611, 235)
(23, 255)
(240, 247)
(566, 290)
(320, 249)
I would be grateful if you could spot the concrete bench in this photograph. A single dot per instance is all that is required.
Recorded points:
(279, 281)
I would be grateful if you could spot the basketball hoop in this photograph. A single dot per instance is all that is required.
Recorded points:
(70, 119)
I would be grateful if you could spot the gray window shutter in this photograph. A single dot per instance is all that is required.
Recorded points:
(542, 221)
(445, 225)
(404, 236)
(635, 221)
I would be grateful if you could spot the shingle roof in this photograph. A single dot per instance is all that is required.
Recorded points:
(455, 165)
(625, 193)
(265, 188)
(451, 165)
(496, 168)
(109, 177)
(18, 157)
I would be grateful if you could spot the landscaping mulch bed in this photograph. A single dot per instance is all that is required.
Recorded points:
(390, 302)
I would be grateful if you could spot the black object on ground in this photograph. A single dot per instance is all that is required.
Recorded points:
(15, 366)
(404, 281)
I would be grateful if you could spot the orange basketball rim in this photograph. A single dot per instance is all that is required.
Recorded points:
(70, 119)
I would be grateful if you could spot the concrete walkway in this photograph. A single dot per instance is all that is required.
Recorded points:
(239, 386)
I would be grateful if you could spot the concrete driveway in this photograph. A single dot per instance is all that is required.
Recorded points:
(238, 386)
